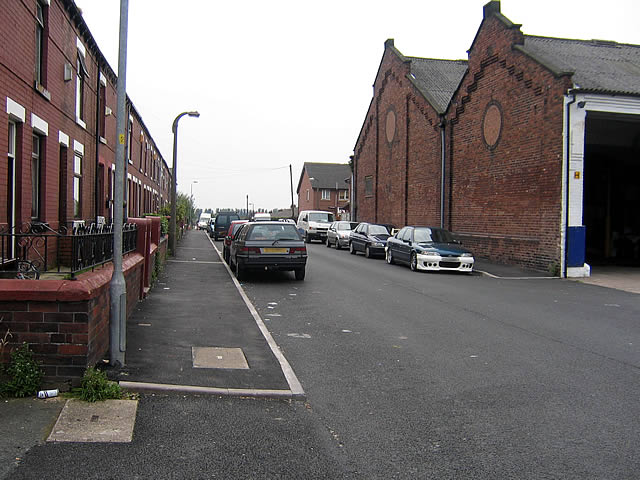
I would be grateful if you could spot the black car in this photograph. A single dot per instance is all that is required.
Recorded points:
(428, 248)
(268, 246)
(222, 222)
(369, 238)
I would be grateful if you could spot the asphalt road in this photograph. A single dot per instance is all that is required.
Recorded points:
(407, 375)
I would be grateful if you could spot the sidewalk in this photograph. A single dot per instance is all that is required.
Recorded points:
(194, 332)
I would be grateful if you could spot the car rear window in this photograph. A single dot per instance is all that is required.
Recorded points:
(378, 230)
(285, 231)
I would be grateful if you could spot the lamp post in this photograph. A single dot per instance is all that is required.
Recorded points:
(191, 206)
(174, 181)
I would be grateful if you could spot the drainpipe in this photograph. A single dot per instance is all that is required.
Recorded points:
(97, 139)
(442, 125)
(566, 193)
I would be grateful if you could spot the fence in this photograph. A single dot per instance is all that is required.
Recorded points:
(36, 248)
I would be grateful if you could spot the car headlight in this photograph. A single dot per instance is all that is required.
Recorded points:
(466, 254)
(377, 244)
(430, 252)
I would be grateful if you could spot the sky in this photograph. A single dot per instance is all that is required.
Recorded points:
(282, 82)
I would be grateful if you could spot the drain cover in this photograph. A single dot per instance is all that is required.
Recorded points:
(219, 357)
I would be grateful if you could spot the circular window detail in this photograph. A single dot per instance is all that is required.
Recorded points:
(390, 126)
(492, 124)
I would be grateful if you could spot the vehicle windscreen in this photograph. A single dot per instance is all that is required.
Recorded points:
(285, 231)
(325, 217)
(236, 227)
(426, 235)
(346, 225)
(378, 230)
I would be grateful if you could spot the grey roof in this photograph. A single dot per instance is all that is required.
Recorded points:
(596, 65)
(437, 80)
(327, 175)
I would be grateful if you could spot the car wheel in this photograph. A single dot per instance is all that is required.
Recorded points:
(300, 272)
(337, 244)
(413, 264)
(239, 271)
(390, 259)
(367, 251)
(352, 250)
(306, 238)
(328, 243)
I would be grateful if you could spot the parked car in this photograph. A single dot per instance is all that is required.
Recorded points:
(223, 220)
(226, 244)
(428, 248)
(369, 238)
(313, 224)
(268, 246)
(338, 233)
(210, 227)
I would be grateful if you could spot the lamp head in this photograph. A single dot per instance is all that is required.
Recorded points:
(194, 114)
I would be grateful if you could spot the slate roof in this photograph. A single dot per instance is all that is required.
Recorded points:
(437, 80)
(326, 175)
(597, 66)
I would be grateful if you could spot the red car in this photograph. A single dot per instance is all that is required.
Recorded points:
(226, 244)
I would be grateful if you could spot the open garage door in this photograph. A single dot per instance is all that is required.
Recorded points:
(612, 189)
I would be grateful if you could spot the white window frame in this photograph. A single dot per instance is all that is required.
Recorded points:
(81, 75)
(36, 164)
(326, 194)
(77, 185)
(343, 195)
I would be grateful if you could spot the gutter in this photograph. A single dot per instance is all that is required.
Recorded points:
(442, 126)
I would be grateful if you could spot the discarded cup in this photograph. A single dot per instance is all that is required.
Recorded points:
(48, 393)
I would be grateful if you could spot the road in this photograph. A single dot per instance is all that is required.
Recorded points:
(420, 375)
(407, 375)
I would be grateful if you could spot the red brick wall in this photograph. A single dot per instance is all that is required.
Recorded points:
(506, 201)
(303, 203)
(66, 323)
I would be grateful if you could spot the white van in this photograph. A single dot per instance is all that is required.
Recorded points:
(204, 221)
(313, 224)
(261, 217)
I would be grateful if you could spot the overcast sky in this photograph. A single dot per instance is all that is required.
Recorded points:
(280, 82)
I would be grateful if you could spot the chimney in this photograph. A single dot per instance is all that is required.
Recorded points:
(491, 8)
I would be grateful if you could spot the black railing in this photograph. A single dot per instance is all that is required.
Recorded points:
(36, 248)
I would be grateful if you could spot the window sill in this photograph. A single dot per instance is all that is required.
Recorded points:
(42, 91)
(103, 140)
(80, 122)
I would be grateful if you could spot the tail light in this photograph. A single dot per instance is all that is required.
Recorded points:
(298, 250)
(250, 250)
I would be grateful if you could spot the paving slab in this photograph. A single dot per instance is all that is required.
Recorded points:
(109, 421)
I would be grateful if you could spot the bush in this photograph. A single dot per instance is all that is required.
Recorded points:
(24, 372)
(96, 387)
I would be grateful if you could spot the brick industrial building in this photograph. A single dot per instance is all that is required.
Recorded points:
(529, 151)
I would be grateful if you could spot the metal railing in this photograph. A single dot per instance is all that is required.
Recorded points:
(36, 248)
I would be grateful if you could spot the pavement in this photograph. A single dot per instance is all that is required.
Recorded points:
(198, 333)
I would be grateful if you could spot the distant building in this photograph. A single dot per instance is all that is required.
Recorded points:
(325, 186)
(528, 151)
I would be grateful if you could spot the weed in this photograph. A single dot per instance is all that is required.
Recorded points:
(96, 387)
(24, 373)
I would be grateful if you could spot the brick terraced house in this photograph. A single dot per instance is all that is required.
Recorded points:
(58, 131)
(529, 150)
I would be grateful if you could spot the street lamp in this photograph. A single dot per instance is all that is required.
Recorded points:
(174, 181)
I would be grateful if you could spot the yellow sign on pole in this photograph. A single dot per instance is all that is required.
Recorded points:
(121, 138)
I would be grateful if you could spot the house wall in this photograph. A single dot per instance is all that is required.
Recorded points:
(303, 203)
(505, 199)
(50, 110)
(399, 149)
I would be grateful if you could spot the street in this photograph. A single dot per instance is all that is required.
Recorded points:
(407, 375)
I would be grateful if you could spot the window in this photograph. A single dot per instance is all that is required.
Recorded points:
(36, 159)
(40, 44)
(307, 195)
(11, 175)
(81, 75)
(77, 186)
(102, 115)
(368, 186)
(130, 140)
(343, 195)
(326, 194)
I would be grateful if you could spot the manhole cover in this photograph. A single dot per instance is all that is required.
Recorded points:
(218, 357)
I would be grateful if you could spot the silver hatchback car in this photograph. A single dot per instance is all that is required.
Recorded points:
(338, 233)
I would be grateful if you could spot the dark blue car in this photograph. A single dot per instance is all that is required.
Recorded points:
(369, 238)
(428, 248)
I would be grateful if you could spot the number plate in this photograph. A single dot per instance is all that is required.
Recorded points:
(275, 250)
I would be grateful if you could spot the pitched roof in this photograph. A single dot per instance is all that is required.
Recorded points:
(326, 175)
(597, 65)
(437, 80)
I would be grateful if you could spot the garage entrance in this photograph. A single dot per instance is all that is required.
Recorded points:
(612, 189)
